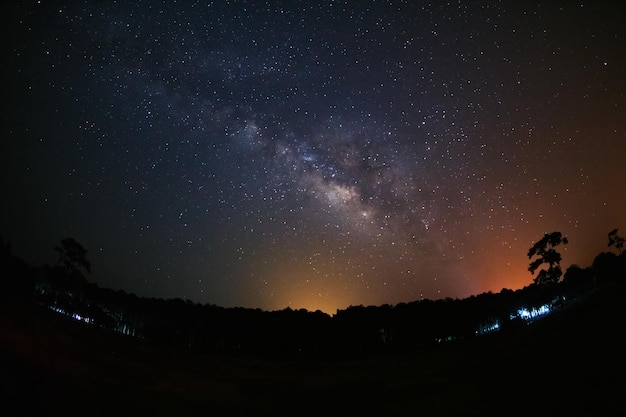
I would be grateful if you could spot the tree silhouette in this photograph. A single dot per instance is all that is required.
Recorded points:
(73, 256)
(546, 253)
(616, 240)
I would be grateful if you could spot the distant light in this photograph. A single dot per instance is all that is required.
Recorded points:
(527, 314)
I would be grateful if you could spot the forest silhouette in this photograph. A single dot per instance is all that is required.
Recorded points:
(444, 330)
(64, 289)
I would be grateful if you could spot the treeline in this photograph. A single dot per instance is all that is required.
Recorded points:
(210, 328)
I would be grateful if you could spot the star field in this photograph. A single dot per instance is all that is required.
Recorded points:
(312, 154)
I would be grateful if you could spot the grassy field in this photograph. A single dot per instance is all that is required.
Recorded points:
(570, 363)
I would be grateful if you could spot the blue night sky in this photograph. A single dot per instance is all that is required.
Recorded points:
(312, 154)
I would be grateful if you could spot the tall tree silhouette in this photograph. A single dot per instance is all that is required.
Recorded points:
(73, 256)
(546, 253)
(616, 240)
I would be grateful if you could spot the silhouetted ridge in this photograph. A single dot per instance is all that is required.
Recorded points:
(209, 328)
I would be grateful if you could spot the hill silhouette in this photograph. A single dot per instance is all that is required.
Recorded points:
(69, 347)
(354, 330)
(568, 363)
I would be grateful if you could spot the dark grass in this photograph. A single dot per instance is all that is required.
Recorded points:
(570, 363)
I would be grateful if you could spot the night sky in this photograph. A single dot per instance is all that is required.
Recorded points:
(312, 154)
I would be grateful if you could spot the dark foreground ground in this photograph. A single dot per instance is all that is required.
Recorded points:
(570, 363)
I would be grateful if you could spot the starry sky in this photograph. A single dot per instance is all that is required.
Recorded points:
(312, 154)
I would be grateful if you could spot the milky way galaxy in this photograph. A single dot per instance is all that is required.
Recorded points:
(312, 154)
